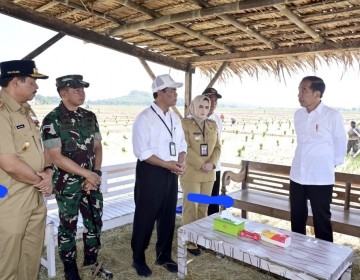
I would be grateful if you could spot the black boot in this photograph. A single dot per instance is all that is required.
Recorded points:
(71, 271)
(96, 267)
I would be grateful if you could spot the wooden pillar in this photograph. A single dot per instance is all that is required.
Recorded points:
(153, 76)
(44, 46)
(218, 74)
(188, 86)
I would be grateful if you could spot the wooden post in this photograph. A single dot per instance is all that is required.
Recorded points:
(347, 196)
(44, 46)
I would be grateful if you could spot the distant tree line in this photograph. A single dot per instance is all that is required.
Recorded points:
(134, 98)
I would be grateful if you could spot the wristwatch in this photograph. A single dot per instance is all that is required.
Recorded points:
(98, 172)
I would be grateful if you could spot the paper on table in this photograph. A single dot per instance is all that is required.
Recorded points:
(228, 216)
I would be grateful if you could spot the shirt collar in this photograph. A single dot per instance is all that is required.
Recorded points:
(158, 110)
(12, 104)
(319, 108)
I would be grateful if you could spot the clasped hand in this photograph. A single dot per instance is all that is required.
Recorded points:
(207, 167)
(45, 185)
(177, 167)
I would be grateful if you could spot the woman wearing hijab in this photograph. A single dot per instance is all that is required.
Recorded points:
(203, 153)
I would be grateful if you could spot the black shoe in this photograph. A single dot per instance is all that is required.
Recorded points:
(142, 269)
(71, 271)
(169, 264)
(195, 252)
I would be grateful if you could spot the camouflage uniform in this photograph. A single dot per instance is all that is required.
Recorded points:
(75, 132)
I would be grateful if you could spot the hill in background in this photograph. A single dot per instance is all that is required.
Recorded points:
(134, 98)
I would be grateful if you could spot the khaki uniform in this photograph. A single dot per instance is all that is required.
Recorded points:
(22, 211)
(194, 179)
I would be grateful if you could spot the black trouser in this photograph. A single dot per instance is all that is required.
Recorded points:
(155, 197)
(320, 198)
(214, 208)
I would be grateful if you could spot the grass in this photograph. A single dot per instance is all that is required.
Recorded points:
(116, 255)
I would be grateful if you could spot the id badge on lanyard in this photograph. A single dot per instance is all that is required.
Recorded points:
(204, 150)
(172, 148)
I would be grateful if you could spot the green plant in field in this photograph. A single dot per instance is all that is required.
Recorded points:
(105, 143)
(277, 143)
(237, 132)
(239, 152)
(252, 137)
(243, 148)
(264, 134)
(292, 131)
(222, 142)
(292, 141)
(284, 132)
(107, 134)
(261, 146)
(123, 149)
(125, 137)
(246, 137)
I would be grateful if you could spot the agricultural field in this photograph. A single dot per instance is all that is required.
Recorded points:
(260, 135)
(265, 135)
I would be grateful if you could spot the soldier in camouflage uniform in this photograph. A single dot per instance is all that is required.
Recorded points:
(71, 136)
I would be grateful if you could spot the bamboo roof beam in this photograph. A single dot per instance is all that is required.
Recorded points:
(318, 48)
(354, 2)
(48, 21)
(119, 22)
(67, 14)
(47, 6)
(81, 8)
(144, 10)
(247, 29)
(158, 37)
(195, 14)
(295, 19)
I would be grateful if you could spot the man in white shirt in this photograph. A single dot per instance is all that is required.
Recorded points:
(214, 96)
(160, 146)
(321, 146)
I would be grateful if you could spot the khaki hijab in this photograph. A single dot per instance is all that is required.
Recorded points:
(194, 108)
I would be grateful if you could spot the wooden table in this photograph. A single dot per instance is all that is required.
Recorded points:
(305, 258)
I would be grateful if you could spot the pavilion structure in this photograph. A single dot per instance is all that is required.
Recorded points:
(220, 38)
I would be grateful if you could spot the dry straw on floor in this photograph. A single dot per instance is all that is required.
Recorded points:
(117, 255)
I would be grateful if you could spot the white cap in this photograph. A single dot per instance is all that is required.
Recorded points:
(164, 81)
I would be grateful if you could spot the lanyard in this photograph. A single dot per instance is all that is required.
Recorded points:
(164, 122)
(202, 130)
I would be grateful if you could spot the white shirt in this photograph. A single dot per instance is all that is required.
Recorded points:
(321, 145)
(219, 124)
(151, 137)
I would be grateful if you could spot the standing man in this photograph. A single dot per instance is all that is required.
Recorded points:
(159, 144)
(23, 171)
(321, 146)
(72, 138)
(214, 96)
(354, 136)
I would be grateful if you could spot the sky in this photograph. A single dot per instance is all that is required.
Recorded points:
(112, 74)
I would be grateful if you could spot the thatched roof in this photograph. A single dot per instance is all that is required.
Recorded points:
(243, 36)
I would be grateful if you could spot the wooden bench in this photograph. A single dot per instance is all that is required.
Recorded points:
(265, 190)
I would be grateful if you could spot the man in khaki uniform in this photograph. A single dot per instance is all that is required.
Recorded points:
(24, 171)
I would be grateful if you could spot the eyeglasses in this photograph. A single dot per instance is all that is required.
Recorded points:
(81, 88)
